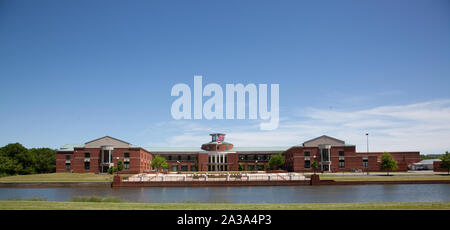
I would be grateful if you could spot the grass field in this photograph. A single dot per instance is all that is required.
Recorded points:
(49, 205)
(91, 177)
(402, 177)
(58, 177)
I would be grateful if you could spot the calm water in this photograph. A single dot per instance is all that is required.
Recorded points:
(269, 194)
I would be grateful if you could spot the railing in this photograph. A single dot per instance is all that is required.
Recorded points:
(215, 177)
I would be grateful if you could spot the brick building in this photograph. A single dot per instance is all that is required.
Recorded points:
(98, 155)
(333, 155)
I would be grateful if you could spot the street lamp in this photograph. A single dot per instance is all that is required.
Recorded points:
(314, 161)
(367, 135)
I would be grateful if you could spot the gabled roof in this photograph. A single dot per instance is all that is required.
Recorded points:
(107, 137)
(324, 139)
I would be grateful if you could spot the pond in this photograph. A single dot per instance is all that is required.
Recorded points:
(263, 194)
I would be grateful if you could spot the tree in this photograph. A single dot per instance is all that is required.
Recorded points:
(241, 167)
(445, 163)
(16, 159)
(276, 161)
(8, 166)
(23, 159)
(120, 166)
(388, 163)
(45, 160)
(159, 163)
(314, 166)
(112, 170)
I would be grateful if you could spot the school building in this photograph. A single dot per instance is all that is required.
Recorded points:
(332, 155)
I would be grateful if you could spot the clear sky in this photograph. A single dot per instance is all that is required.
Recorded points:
(73, 71)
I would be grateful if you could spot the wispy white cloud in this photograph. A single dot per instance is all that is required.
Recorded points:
(421, 127)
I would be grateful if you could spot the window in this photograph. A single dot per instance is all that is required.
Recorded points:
(87, 165)
(126, 155)
(193, 168)
(67, 157)
(251, 167)
(260, 157)
(126, 165)
(174, 168)
(87, 155)
(307, 154)
(325, 155)
(194, 158)
(341, 164)
(307, 164)
(341, 153)
(365, 163)
(242, 157)
(260, 167)
(105, 156)
(67, 166)
(184, 168)
(179, 157)
(251, 157)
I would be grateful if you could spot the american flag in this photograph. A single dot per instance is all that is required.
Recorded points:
(220, 138)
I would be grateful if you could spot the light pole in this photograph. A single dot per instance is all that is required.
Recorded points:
(314, 161)
(367, 135)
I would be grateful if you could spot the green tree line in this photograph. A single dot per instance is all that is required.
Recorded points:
(16, 159)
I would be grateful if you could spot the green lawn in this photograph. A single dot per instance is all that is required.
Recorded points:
(49, 205)
(91, 177)
(58, 177)
(401, 177)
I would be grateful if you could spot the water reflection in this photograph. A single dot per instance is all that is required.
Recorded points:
(268, 194)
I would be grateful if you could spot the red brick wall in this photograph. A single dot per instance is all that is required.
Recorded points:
(61, 161)
(437, 167)
(202, 162)
(214, 147)
(295, 159)
(233, 160)
(140, 160)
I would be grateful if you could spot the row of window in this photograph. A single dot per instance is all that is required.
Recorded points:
(87, 164)
(307, 153)
(250, 167)
(181, 158)
(246, 157)
(341, 164)
(183, 168)
(88, 155)
(217, 167)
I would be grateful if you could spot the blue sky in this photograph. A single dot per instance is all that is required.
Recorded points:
(73, 71)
